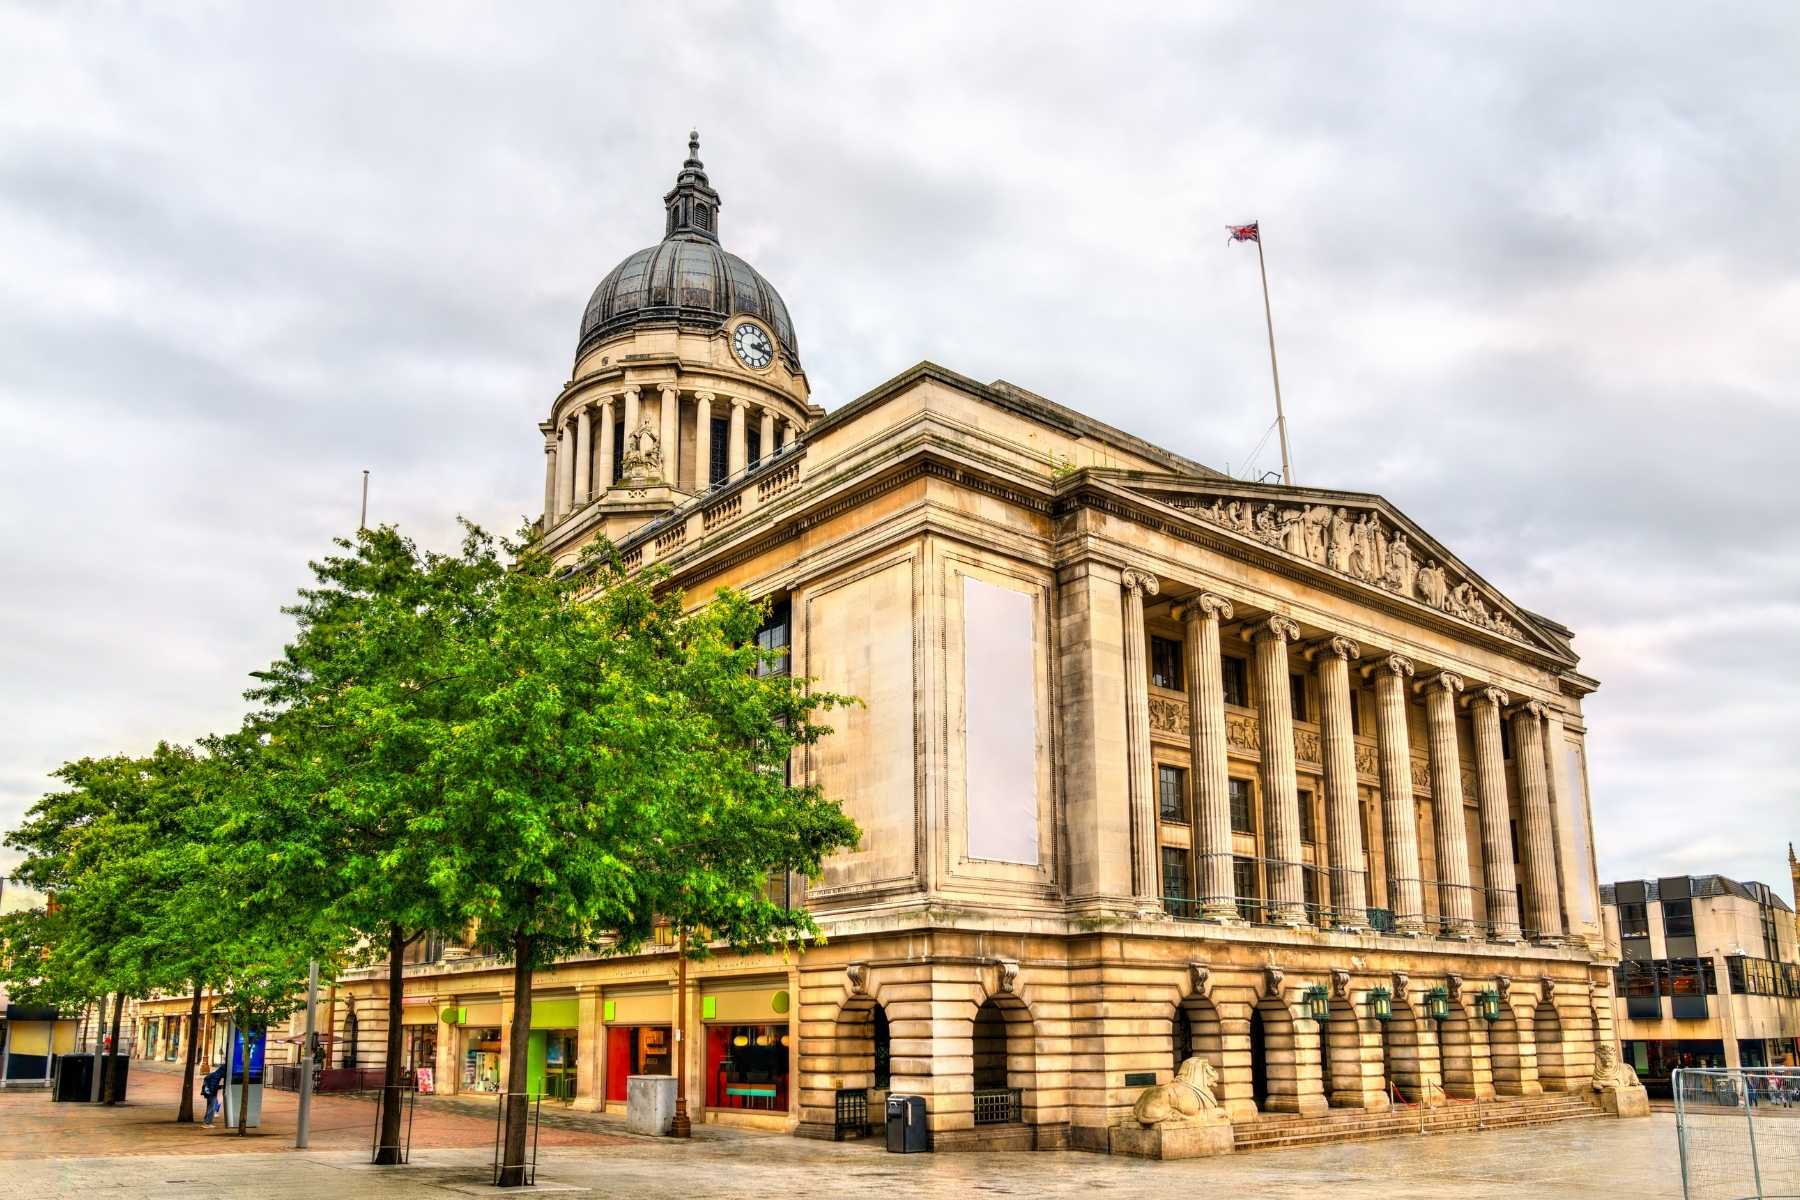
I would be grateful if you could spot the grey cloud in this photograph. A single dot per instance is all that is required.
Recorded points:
(1533, 277)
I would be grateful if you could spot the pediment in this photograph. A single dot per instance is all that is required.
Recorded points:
(1363, 538)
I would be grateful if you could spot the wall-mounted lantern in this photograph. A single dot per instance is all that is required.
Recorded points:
(1318, 1003)
(1437, 1004)
(1488, 1004)
(1381, 1004)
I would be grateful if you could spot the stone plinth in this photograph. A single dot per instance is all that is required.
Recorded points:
(1174, 1139)
(1625, 1101)
(650, 1104)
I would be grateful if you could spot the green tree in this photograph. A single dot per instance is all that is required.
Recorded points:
(347, 811)
(615, 760)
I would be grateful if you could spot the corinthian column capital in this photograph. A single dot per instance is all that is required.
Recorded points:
(1141, 582)
(1276, 626)
(1449, 681)
(1392, 664)
(1487, 694)
(1202, 605)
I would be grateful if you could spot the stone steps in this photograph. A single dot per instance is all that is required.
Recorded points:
(1274, 1132)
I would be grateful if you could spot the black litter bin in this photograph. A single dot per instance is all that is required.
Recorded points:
(72, 1077)
(906, 1130)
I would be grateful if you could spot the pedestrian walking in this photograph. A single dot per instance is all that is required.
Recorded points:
(213, 1088)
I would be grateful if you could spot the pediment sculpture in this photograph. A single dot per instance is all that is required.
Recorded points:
(1364, 545)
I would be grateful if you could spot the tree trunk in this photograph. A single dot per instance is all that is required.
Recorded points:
(387, 1145)
(185, 1114)
(106, 1064)
(242, 1036)
(95, 1024)
(518, 1104)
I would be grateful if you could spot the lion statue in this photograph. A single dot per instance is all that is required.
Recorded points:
(1609, 1073)
(1186, 1099)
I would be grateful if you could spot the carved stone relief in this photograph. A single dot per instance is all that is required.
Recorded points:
(1365, 546)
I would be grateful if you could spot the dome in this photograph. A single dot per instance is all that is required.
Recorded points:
(686, 280)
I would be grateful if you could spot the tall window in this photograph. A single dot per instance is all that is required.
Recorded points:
(1171, 787)
(1678, 918)
(774, 636)
(1165, 663)
(1297, 696)
(753, 443)
(1356, 712)
(883, 1048)
(1237, 681)
(1306, 816)
(718, 465)
(1240, 807)
(1174, 873)
(618, 437)
(1243, 881)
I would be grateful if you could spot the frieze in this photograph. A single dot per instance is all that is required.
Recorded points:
(1367, 547)
(1168, 716)
(1243, 733)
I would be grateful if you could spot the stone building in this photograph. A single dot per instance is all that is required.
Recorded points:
(1152, 762)
(1708, 975)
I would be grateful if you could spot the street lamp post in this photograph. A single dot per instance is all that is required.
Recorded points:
(681, 1127)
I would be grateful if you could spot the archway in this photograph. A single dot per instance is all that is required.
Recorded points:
(1514, 1056)
(1274, 1060)
(1196, 1031)
(1456, 1048)
(1552, 1058)
(1346, 1066)
(1409, 1052)
(1005, 1064)
(862, 1043)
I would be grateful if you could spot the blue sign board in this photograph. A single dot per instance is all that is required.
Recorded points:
(258, 1040)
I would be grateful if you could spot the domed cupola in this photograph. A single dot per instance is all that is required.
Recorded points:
(687, 280)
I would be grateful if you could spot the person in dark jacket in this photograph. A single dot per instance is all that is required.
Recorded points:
(213, 1088)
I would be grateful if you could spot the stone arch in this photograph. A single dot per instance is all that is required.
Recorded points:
(1351, 1057)
(1465, 1072)
(1552, 1057)
(1195, 1029)
(1284, 1073)
(1005, 1051)
(1512, 1045)
(862, 1044)
(1410, 1051)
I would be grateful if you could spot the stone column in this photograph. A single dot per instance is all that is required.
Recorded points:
(1543, 904)
(1496, 821)
(631, 412)
(1399, 818)
(565, 470)
(1213, 882)
(1456, 902)
(737, 451)
(604, 468)
(787, 434)
(670, 434)
(1281, 796)
(584, 456)
(765, 445)
(1140, 787)
(702, 441)
(550, 513)
(1343, 811)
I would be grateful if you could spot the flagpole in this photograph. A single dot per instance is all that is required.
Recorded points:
(1287, 472)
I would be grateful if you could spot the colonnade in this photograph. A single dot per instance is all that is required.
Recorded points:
(1274, 639)
(579, 452)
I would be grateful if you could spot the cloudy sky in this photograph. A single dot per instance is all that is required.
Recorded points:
(1535, 279)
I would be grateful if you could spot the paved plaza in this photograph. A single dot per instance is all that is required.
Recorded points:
(136, 1150)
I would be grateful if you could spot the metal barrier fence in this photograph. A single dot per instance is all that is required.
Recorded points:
(1738, 1129)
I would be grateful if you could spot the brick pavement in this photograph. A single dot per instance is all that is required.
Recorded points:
(1585, 1160)
(34, 1127)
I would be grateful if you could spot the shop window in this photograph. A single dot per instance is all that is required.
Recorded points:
(1236, 674)
(635, 1050)
(1241, 807)
(747, 1067)
(1171, 786)
(561, 1058)
(481, 1059)
(1165, 663)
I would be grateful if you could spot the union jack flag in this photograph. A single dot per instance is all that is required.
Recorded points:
(1244, 233)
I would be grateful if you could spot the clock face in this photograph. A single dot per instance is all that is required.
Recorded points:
(752, 346)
